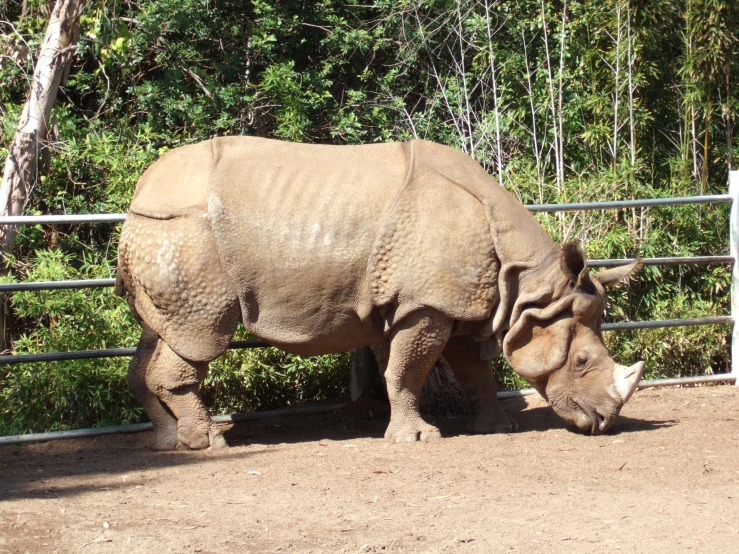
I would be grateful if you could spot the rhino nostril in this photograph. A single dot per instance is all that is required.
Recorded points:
(602, 422)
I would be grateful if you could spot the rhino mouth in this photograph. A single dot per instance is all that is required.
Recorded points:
(602, 423)
(594, 421)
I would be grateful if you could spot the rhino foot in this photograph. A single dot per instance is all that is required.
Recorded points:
(421, 431)
(197, 439)
(217, 441)
(486, 423)
(163, 442)
(199, 436)
(183, 440)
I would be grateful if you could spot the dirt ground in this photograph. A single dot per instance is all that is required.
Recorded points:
(665, 479)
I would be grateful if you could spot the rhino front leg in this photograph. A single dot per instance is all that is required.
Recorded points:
(477, 380)
(414, 347)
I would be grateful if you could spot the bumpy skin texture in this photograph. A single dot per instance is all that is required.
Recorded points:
(411, 248)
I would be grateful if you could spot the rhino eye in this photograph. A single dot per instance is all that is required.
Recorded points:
(581, 359)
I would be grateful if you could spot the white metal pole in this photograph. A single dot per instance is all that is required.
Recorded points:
(734, 251)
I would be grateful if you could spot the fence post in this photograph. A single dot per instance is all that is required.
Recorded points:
(364, 374)
(734, 251)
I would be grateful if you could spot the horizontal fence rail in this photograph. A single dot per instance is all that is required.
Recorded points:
(61, 219)
(616, 204)
(304, 410)
(645, 203)
(57, 285)
(695, 260)
(732, 197)
(138, 427)
(536, 208)
(94, 283)
(687, 322)
(13, 359)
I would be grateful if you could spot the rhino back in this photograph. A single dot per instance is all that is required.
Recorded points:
(176, 184)
(518, 235)
(295, 226)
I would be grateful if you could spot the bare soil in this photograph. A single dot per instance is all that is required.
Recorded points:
(665, 479)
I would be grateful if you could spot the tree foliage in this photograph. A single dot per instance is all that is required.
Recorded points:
(564, 101)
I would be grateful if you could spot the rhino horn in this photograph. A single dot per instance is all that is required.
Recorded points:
(626, 379)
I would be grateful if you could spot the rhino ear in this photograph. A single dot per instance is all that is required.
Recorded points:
(575, 266)
(618, 274)
(538, 343)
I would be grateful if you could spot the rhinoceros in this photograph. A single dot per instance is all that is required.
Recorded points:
(411, 248)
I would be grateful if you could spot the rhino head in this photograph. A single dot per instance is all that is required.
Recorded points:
(555, 342)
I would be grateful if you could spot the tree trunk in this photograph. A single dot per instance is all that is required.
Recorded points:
(22, 163)
(21, 166)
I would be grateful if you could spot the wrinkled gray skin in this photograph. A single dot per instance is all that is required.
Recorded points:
(408, 247)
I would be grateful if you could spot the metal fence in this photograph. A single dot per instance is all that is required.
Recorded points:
(733, 258)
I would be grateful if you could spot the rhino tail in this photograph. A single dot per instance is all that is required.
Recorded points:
(120, 287)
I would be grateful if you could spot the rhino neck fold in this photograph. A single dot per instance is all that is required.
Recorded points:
(527, 282)
(544, 279)
(528, 260)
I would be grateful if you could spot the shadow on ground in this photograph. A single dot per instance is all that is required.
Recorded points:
(121, 461)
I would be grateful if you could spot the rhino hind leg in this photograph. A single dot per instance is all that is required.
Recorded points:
(168, 387)
(165, 423)
(411, 352)
(477, 379)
